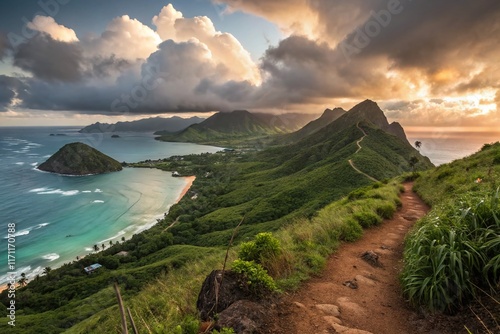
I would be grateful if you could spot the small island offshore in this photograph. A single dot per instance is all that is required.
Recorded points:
(80, 159)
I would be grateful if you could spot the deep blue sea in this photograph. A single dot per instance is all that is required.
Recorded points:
(61, 217)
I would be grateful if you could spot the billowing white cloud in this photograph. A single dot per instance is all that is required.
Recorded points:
(226, 51)
(125, 38)
(49, 26)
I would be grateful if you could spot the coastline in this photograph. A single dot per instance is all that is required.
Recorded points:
(189, 183)
(190, 180)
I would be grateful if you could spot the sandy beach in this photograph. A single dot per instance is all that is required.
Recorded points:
(190, 180)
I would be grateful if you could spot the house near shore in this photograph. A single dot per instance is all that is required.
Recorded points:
(176, 174)
(93, 267)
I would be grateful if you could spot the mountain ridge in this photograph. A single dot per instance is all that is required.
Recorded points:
(151, 124)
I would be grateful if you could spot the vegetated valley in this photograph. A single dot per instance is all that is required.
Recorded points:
(311, 190)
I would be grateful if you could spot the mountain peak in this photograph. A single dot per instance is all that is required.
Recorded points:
(369, 110)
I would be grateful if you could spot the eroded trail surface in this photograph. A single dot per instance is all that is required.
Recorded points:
(352, 296)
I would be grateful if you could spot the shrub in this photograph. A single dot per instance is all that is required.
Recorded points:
(257, 279)
(367, 218)
(453, 250)
(263, 247)
(350, 230)
(386, 210)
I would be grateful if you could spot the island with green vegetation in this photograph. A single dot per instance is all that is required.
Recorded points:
(285, 207)
(79, 159)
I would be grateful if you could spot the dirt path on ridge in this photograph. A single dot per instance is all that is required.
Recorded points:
(359, 149)
(327, 304)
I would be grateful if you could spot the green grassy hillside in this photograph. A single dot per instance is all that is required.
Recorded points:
(453, 254)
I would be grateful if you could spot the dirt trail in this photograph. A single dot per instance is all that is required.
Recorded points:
(330, 304)
(359, 149)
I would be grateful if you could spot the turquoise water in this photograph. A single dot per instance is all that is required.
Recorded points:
(61, 217)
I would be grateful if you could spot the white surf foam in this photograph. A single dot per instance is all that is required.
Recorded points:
(119, 234)
(34, 164)
(98, 190)
(59, 191)
(37, 190)
(51, 257)
(98, 201)
(20, 163)
(86, 191)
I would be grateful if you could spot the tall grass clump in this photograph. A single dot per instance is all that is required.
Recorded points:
(452, 251)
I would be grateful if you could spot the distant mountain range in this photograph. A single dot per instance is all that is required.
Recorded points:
(237, 124)
(172, 124)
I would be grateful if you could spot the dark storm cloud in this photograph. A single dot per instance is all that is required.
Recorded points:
(428, 34)
(9, 87)
(103, 67)
(4, 45)
(49, 59)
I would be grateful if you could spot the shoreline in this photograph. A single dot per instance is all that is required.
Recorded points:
(190, 180)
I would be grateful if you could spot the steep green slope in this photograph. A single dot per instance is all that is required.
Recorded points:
(80, 159)
(453, 255)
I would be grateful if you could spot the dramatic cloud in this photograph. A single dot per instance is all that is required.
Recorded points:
(226, 51)
(9, 88)
(427, 62)
(4, 45)
(49, 59)
(124, 38)
(49, 26)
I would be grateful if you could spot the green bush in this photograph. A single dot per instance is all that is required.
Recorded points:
(263, 247)
(257, 279)
(452, 251)
(386, 210)
(350, 230)
(367, 218)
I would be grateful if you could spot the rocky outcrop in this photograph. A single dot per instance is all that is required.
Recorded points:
(80, 159)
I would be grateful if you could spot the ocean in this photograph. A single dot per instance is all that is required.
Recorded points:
(445, 146)
(58, 217)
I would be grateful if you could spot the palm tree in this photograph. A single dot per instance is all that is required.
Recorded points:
(123, 238)
(77, 258)
(47, 270)
(103, 246)
(96, 248)
(23, 280)
(418, 144)
(110, 242)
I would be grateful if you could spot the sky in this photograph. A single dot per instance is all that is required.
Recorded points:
(73, 62)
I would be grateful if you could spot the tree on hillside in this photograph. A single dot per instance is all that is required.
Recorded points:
(47, 270)
(23, 280)
(103, 246)
(110, 242)
(96, 248)
(418, 144)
